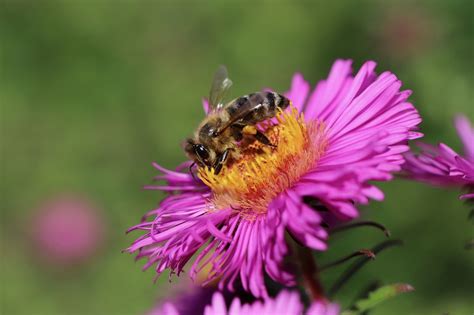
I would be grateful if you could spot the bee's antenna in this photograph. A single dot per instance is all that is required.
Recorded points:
(191, 171)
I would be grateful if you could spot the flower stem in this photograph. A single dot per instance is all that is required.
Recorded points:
(310, 274)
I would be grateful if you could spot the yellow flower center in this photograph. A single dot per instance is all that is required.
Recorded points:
(262, 172)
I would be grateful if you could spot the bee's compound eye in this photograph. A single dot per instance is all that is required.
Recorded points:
(201, 151)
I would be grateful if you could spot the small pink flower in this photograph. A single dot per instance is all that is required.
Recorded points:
(67, 230)
(442, 166)
(332, 145)
(187, 300)
(287, 303)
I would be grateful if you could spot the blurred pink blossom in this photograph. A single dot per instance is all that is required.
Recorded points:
(406, 31)
(67, 230)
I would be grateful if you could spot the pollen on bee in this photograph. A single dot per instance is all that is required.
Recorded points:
(262, 172)
(250, 130)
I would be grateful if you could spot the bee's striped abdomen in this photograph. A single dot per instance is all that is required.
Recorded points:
(257, 107)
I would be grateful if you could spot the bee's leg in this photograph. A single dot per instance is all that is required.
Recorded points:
(263, 139)
(220, 161)
(237, 132)
(253, 132)
(191, 171)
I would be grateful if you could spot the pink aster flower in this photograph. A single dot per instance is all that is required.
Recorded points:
(440, 165)
(331, 145)
(286, 302)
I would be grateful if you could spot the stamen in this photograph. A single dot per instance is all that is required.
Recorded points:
(262, 172)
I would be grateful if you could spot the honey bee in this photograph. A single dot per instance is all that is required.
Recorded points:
(217, 138)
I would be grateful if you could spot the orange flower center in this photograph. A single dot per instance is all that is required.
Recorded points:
(262, 172)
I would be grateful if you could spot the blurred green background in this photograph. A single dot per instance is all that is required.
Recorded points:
(93, 91)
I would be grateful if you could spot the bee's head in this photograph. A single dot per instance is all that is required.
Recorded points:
(200, 153)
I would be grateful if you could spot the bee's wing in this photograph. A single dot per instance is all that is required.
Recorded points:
(238, 116)
(220, 86)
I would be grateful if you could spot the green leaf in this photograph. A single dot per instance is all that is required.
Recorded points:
(377, 296)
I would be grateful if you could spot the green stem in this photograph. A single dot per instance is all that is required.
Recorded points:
(310, 274)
